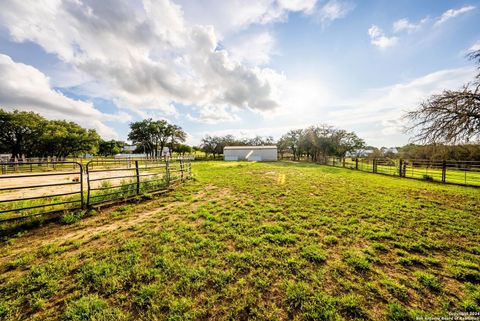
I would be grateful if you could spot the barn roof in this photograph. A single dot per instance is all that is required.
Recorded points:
(251, 147)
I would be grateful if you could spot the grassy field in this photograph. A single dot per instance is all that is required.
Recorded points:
(263, 241)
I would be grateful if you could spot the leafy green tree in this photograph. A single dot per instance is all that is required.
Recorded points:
(110, 147)
(20, 131)
(183, 149)
(153, 136)
(319, 141)
(141, 133)
(62, 138)
(177, 135)
(211, 145)
(290, 142)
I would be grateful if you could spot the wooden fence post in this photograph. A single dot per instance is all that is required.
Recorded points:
(182, 169)
(137, 172)
(374, 165)
(356, 163)
(444, 171)
(167, 172)
(400, 168)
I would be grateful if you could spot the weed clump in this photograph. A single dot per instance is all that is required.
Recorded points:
(396, 312)
(92, 307)
(314, 254)
(359, 263)
(429, 281)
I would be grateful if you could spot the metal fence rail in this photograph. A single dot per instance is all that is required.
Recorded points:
(26, 190)
(28, 194)
(465, 173)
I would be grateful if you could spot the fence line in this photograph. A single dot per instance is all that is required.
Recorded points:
(464, 173)
(28, 191)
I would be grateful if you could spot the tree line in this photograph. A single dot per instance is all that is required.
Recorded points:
(213, 145)
(319, 141)
(28, 134)
(438, 152)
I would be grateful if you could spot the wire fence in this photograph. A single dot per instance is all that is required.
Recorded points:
(30, 189)
(466, 173)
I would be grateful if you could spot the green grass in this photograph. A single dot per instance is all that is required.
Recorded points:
(262, 241)
(391, 167)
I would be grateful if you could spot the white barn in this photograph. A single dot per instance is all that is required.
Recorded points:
(250, 153)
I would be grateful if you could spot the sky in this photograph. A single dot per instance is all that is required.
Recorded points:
(242, 67)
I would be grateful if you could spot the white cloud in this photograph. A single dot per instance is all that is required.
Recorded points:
(475, 46)
(408, 26)
(252, 48)
(387, 105)
(146, 57)
(379, 39)
(214, 114)
(333, 10)
(452, 13)
(26, 88)
(230, 17)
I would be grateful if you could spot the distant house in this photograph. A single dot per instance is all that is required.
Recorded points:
(5, 157)
(120, 156)
(166, 151)
(390, 150)
(360, 153)
(250, 153)
(129, 148)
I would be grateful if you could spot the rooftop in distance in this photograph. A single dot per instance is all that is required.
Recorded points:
(251, 147)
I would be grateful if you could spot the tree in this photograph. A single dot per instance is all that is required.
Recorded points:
(450, 117)
(153, 136)
(183, 149)
(141, 133)
(62, 138)
(210, 145)
(29, 134)
(20, 131)
(177, 135)
(291, 141)
(110, 147)
(319, 141)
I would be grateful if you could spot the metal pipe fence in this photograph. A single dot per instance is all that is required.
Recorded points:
(25, 192)
(465, 173)
(29, 189)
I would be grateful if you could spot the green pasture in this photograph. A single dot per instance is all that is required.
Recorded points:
(256, 241)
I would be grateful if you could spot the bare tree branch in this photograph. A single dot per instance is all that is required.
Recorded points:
(450, 117)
